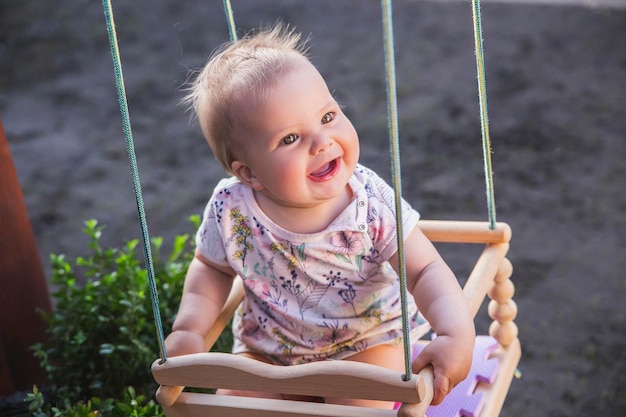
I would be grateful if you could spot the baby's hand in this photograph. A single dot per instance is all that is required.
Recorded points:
(451, 359)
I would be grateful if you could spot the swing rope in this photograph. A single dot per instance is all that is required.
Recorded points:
(484, 117)
(394, 149)
(130, 146)
(230, 19)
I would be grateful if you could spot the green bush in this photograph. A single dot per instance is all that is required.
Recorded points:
(131, 405)
(102, 337)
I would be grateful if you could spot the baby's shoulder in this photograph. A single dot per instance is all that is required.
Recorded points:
(377, 188)
(230, 190)
(226, 186)
(227, 194)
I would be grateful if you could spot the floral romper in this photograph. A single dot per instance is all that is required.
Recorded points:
(317, 296)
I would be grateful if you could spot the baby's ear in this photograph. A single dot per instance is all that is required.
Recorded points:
(246, 175)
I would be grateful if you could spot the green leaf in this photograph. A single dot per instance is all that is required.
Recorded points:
(107, 349)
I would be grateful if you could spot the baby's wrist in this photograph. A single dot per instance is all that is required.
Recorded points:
(468, 338)
(182, 341)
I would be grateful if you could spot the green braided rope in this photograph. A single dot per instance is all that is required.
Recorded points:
(484, 117)
(394, 145)
(230, 19)
(121, 93)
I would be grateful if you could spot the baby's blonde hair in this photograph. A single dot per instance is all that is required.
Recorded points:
(240, 70)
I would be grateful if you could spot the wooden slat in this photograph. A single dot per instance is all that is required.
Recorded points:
(465, 231)
(481, 277)
(203, 405)
(232, 302)
(344, 379)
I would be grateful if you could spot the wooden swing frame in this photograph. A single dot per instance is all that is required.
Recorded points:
(490, 278)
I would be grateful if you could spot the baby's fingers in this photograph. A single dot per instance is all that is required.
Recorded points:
(441, 389)
(424, 359)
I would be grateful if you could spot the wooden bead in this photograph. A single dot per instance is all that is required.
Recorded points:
(502, 291)
(505, 333)
(502, 312)
(505, 270)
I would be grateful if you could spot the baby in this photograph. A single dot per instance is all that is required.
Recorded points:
(311, 232)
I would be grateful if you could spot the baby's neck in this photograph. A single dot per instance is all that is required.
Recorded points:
(304, 220)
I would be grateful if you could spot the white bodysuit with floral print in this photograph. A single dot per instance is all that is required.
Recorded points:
(316, 296)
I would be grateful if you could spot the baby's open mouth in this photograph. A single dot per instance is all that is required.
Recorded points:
(325, 172)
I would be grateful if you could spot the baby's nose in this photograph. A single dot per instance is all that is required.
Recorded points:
(320, 143)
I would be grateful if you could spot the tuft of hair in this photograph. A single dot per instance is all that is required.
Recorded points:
(238, 71)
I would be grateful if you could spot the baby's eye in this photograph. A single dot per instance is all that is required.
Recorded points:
(289, 139)
(328, 117)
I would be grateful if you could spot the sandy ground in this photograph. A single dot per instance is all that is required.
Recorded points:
(556, 78)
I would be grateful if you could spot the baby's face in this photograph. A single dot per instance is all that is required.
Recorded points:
(296, 145)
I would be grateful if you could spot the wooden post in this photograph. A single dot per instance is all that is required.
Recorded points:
(23, 287)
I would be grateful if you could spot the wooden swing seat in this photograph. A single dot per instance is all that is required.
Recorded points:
(346, 379)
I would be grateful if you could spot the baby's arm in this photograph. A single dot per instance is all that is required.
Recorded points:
(440, 299)
(205, 291)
